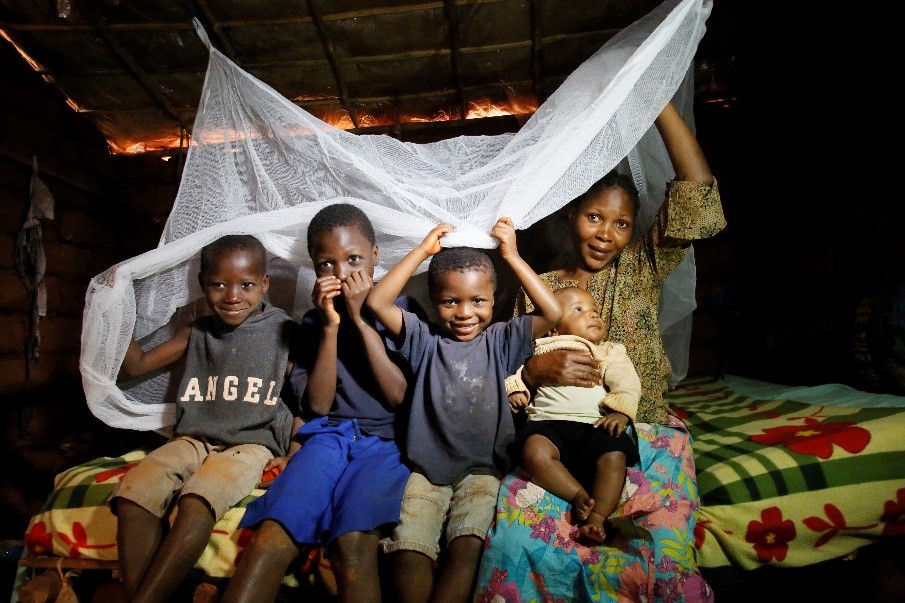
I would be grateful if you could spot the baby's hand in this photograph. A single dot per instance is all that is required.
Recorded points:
(326, 289)
(355, 291)
(504, 230)
(614, 422)
(431, 243)
(518, 401)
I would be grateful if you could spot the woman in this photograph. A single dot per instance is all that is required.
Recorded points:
(530, 550)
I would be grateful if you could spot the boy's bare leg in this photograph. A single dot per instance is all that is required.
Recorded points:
(179, 551)
(138, 535)
(609, 479)
(263, 565)
(354, 560)
(541, 459)
(456, 583)
(413, 576)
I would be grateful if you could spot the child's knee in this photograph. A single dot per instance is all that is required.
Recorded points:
(534, 456)
(540, 449)
(128, 511)
(272, 538)
(465, 550)
(195, 508)
(612, 461)
(409, 563)
(355, 551)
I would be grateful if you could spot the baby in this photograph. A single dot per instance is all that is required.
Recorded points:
(567, 425)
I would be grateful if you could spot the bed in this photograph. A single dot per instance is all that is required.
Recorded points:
(76, 529)
(793, 476)
(787, 477)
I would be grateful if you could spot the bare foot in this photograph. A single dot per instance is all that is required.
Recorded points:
(593, 527)
(205, 593)
(582, 505)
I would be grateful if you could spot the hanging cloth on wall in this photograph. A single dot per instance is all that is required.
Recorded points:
(31, 263)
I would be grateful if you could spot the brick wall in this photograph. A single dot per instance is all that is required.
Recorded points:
(79, 242)
(107, 209)
(45, 424)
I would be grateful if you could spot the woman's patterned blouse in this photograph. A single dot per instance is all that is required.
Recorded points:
(628, 292)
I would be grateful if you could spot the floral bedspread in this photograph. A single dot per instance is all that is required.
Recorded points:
(76, 521)
(789, 484)
(781, 484)
(533, 552)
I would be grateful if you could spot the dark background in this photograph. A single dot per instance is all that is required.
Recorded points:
(808, 162)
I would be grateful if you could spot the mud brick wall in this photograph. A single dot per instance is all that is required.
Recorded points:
(106, 209)
(45, 424)
(74, 164)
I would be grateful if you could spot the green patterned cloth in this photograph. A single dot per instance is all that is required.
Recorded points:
(76, 521)
(784, 483)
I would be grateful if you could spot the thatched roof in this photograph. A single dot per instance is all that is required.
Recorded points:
(135, 68)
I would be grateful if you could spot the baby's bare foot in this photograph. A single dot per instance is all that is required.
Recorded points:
(593, 527)
(582, 505)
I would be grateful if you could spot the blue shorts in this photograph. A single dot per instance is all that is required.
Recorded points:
(339, 481)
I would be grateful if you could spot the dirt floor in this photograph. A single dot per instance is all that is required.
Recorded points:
(875, 574)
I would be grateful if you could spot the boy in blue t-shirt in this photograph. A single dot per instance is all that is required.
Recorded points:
(460, 425)
(345, 484)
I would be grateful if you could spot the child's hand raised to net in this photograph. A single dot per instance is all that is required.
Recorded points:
(431, 243)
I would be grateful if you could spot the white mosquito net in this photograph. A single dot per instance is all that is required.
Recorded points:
(258, 164)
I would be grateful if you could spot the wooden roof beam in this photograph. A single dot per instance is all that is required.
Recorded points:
(141, 75)
(455, 64)
(224, 45)
(330, 51)
(534, 12)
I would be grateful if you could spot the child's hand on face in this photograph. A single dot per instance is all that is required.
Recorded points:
(431, 243)
(614, 422)
(518, 401)
(355, 291)
(504, 230)
(326, 289)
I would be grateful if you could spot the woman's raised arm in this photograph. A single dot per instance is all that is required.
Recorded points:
(685, 153)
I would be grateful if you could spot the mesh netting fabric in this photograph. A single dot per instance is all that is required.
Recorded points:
(261, 165)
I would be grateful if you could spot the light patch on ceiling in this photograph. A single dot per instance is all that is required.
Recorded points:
(339, 119)
(479, 109)
(140, 147)
(37, 67)
(485, 108)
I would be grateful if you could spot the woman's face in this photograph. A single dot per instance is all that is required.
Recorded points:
(601, 228)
